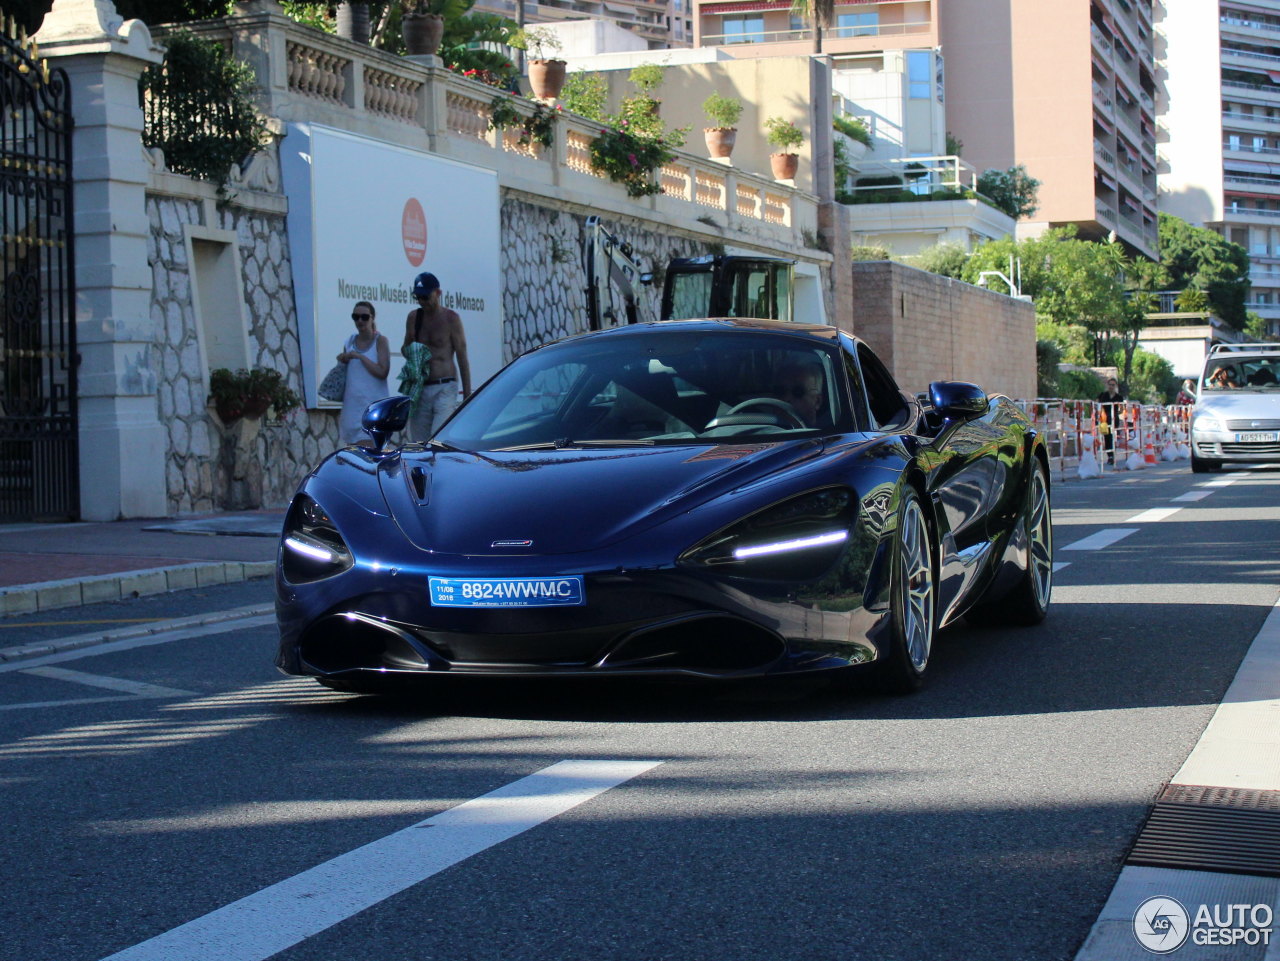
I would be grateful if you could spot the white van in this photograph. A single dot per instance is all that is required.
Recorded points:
(1236, 418)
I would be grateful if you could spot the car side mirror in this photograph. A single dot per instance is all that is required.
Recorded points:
(384, 417)
(957, 400)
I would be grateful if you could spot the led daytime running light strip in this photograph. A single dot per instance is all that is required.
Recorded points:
(799, 544)
(313, 551)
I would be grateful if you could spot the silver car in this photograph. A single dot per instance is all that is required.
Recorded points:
(1236, 418)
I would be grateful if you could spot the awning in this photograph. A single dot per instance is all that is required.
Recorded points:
(743, 7)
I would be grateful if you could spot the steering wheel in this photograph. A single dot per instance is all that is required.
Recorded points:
(782, 414)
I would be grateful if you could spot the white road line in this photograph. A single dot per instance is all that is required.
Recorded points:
(1225, 482)
(280, 916)
(1154, 514)
(1096, 542)
(1059, 565)
(1192, 496)
(136, 688)
(93, 649)
(32, 705)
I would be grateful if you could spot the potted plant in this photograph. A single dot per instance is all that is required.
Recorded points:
(250, 393)
(784, 135)
(648, 78)
(723, 112)
(546, 72)
(422, 28)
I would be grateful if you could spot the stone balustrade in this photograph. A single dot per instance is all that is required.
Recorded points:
(416, 102)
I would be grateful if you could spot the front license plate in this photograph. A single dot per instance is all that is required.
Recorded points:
(1257, 437)
(507, 591)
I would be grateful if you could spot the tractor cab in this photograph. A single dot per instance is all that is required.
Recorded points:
(727, 285)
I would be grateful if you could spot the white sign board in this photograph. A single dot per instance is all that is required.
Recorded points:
(365, 218)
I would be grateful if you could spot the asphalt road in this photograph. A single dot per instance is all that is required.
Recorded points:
(983, 818)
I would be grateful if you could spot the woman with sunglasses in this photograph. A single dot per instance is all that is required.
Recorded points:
(367, 355)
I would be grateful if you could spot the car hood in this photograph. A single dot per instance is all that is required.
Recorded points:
(1250, 405)
(565, 501)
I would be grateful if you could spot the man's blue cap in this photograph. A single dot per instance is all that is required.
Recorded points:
(424, 283)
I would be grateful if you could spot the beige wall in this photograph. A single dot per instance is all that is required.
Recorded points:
(779, 87)
(926, 327)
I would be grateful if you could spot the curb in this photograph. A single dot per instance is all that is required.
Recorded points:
(78, 641)
(78, 591)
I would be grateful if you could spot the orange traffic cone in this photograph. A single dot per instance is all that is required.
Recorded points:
(1149, 453)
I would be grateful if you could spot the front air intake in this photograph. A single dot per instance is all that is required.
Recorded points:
(715, 644)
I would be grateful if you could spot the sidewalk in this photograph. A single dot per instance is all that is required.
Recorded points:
(48, 566)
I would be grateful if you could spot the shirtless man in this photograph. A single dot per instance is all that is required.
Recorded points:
(441, 330)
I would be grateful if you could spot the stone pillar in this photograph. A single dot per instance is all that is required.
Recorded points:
(122, 443)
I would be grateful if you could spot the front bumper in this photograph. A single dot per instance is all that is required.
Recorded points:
(644, 623)
(1223, 446)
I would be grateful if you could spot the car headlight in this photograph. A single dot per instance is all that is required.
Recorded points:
(797, 539)
(312, 548)
(1206, 422)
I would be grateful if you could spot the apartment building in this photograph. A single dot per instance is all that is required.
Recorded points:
(1067, 90)
(660, 23)
(1218, 108)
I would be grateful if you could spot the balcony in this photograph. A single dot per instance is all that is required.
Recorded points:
(1105, 156)
(1263, 91)
(789, 36)
(1265, 60)
(1250, 122)
(1265, 185)
(1230, 24)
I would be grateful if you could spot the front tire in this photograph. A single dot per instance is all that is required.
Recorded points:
(912, 609)
(1026, 603)
(1200, 465)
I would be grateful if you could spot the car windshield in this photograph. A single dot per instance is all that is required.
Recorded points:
(1243, 373)
(657, 388)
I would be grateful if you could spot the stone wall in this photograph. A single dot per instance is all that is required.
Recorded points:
(251, 463)
(926, 327)
(544, 296)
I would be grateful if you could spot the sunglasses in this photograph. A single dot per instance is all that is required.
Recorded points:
(795, 391)
(359, 317)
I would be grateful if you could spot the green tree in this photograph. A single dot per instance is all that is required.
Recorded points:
(948, 260)
(1014, 190)
(818, 14)
(1199, 257)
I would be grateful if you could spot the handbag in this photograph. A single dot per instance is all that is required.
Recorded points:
(334, 385)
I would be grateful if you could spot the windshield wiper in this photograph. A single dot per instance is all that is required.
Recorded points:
(565, 443)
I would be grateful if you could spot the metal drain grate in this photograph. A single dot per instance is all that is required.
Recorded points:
(1226, 830)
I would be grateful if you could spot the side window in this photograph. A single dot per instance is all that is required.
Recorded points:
(883, 396)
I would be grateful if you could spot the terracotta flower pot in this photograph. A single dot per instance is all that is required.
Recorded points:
(720, 140)
(784, 165)
(546, 78)
(422, 32)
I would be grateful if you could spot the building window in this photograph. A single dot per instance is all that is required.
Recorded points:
(919, 75)
(1233, 141)
(1259, 144)
(857, 24)
(795, 24)
(745, 29)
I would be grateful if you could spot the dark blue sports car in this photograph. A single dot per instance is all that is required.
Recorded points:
(707, 498)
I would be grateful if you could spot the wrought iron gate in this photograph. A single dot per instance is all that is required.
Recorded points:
(38, 430)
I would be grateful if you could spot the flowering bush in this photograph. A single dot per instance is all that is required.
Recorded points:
(629, 157)
(490, 77)
(539, 125)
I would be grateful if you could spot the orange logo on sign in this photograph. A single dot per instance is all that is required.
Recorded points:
(413, 230)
